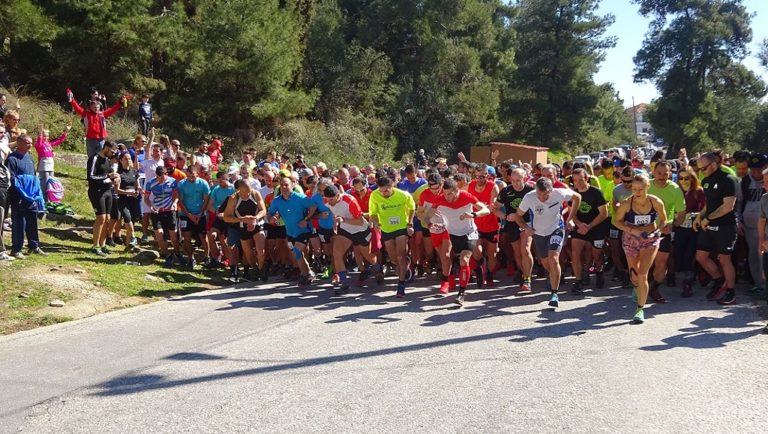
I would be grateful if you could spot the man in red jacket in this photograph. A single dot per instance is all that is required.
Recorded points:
(95, 121)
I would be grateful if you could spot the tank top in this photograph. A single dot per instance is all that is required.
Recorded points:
(635, 218)
(246, 207)
(489, 223)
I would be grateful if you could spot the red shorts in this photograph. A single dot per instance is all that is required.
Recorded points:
(209, 221)
(437, 239)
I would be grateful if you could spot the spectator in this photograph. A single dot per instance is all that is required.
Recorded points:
(25, 198)
(214, 151)
(201, 159)
(145, 115)
(45, 154)
(5, 182)
(11, 121)
(95, 121)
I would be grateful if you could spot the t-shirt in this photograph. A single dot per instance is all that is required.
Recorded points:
(672, 196)
(591, 201)
(392, 211)
(292, 211)
(322, 207)
(511, 198)
(546, 217)
(427, 201)
(717, 187)
(452, 211)
(348, 208)
(607, 187)
(193, 194)
(129, 180)
(218, 195)
(161, 194)
(203, 160)
(148, 167)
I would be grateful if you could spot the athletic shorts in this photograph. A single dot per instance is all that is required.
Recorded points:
(101, 201)
(491, 237)
(186, 225)
(386, 236)
(438, 238)
(129, 208)
(362, 238)
(513, 229)
(164, 221)
(325, 235)
(460, 243)
(666, 243)
(634, 245)
(302, 238)
(596, 235)
(246, 235)
(218, 224)
(717, 239)
(275, 232)
(547, 243)
(233, 236)
(425, 232)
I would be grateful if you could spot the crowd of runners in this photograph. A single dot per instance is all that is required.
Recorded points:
(470, 224)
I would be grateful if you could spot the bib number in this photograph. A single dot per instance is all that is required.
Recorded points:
(473, 236)
(641, 220)
(183, 223)
(394, 221)
(613, 233)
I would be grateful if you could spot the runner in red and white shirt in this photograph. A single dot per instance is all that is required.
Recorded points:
(486, 191)
(353, 231)
(457, 209)
(435, 235)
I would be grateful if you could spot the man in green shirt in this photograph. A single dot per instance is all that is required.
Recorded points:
(674, 203)
(392, 210)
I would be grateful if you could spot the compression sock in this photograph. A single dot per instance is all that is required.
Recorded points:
(464, 273)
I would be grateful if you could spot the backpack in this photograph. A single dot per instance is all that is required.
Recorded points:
(54, 191)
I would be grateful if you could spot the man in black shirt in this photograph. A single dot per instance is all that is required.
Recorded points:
(716, 224)
(100, 181)
(591, 230)
(510, 198)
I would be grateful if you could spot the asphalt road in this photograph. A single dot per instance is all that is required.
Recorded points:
(279, 359)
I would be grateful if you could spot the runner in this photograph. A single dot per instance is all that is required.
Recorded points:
(435, 232)
(415, 185)
(674, 205)
(510, 198)
(457, 209)
(591, 229)
(217, 227)
(392, 210)
(161, 197)
(353, 231)
(487, 192)
(716, 226)
(620, 192)
(545, 206)
(100, 181)
(193, 200)
(246, 210)
(128, 194)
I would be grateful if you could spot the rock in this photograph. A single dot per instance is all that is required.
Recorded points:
(25, 294)
(79, 271)
(56, 303)
(152, 278)
(146, 257)
(56, 268)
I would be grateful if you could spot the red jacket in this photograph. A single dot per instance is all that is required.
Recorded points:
(95, 122)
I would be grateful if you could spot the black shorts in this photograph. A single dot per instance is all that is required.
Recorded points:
(114, 210)
(425, 232)
(386, 236)
(513, 229)
(220, 225)
(164, 221)
(719, 239)
(362, 238)
(246, 235)
(491, 237)
(460, 243)
(325, 235)
(101, 201)
(275, 232)
(302, 238)
(129, 208)
(186, 225)
(666, 243)
(596, 235)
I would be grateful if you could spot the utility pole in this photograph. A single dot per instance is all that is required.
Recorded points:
(634, 115)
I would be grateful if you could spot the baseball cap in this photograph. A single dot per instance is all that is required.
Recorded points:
(757, 160)
(303, 173)
(169, 163)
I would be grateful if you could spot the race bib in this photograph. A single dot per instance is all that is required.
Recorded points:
(183, 223)
(473, 236)
(556, 240)
(713, 228)
(599, 244)
(394, 221)
(641, 220)
(613, 233)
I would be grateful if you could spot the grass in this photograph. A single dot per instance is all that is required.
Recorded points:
(68, 251)
(557, 156)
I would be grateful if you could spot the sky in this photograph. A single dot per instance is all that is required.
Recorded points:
(630, 28)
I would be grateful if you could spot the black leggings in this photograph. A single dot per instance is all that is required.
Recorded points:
(685, 250)
(3, 213)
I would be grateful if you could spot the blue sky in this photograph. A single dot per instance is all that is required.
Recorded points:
(630, 28)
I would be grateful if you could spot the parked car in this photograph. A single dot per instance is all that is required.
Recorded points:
(584, 159)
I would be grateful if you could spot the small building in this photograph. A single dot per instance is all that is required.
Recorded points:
(509, 151)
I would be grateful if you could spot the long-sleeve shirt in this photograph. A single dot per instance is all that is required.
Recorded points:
(44, 147)
(98, 173)
(95, 122)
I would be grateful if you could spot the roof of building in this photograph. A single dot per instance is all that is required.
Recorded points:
(517, 145)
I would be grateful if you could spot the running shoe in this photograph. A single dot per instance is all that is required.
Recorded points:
(233, 278)
(400, 290)
(728, 298)
(755, 291)
(715, 294)
(459, 299)
(144, 239)
(192, 264)
(444, 286)
(554, 300)
(639, 317)
(38, 251)
(335, 278)
(97, 251)
(342, 290)
(4, 256)
(168, 260)
(656, 296)
(326, 273)
(182, 261)
(111, 242)
(525, 287)
(489, 279)
(264, 274)
(18, 255)
(599, 280)
(577, 288)
(105, 250)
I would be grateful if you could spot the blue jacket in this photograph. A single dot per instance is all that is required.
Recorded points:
(28, 189)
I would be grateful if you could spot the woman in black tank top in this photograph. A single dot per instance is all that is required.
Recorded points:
(246, 210)
(640, 216)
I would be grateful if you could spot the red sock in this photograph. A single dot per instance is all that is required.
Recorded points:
(472, 263)
(464, 274)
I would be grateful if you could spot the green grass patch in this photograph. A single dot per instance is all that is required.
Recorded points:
(558, 156)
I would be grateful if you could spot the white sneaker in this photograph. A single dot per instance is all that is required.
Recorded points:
(4, 256)
(18, 255)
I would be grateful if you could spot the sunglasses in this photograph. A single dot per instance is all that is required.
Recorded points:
(684, 178)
